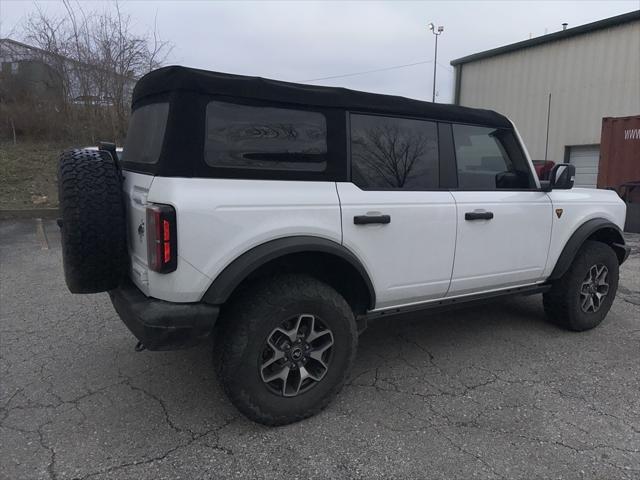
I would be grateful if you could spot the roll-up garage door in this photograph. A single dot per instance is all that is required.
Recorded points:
(586, 159)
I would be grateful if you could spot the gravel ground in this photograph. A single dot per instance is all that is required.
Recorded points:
(489, 392)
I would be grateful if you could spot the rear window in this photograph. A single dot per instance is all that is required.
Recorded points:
(265, 138)
(146, 134)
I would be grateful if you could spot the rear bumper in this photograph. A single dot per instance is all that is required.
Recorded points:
(161, 325)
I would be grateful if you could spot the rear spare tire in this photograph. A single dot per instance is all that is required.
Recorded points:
(93, 221)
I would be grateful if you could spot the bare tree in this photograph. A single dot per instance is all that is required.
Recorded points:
(389, 152)
(99, 56)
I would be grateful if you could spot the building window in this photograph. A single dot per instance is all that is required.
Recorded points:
(265, 138)
(393, 153)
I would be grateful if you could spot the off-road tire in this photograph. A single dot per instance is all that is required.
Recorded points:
(93, 223)
(241, 337)
(562, 302)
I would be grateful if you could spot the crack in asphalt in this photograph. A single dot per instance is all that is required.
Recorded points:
(163, 407)
(74, 403)
(164, 455)
(193, 436)
(472, 423)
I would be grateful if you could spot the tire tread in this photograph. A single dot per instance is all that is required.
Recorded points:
(94, 227)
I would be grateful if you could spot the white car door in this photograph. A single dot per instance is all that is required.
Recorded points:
(394, 218)
(504, 221)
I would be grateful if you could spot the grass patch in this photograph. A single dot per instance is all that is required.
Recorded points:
(28, 173)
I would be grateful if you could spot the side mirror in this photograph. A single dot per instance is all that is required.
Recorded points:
(562, 176)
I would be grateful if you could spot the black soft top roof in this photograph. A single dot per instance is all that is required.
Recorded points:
(178, 78)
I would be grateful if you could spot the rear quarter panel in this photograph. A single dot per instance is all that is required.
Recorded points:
(220, 219)
(577, 206)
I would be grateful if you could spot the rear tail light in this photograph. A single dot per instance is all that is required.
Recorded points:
(162, 242)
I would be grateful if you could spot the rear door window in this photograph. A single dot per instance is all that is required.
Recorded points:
(265, 138)
(393, 153)
(145, 135)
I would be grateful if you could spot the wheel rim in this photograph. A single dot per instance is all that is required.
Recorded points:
(296, 355)
(594, 288)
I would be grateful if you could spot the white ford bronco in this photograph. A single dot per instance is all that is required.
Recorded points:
(277, 218)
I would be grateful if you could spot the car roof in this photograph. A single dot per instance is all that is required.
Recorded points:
(178, 78)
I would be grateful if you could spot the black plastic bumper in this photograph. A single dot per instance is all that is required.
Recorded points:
(161, 325)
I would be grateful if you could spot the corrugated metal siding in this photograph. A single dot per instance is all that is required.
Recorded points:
(590, 76)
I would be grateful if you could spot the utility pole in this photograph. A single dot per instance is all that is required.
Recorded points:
(437, 31)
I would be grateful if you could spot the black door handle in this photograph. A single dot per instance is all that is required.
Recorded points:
(367, 219)
(478, 215)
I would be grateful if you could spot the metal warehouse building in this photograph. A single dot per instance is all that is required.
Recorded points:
(557, 88)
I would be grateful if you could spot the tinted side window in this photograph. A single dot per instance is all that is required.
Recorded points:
(393, 153)
(266, 138)
(145, 134)
(489, 159)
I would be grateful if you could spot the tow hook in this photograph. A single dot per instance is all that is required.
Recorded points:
(139, 347)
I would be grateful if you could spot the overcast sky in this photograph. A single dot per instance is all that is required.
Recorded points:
(305, 40)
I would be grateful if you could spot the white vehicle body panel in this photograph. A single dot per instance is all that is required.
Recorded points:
(220, 219)
(136, 190)
(428, 251)
(580, 205)
(183, 285)
(409, 259)
(508, 250)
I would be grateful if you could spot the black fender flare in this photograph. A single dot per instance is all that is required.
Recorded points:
(239, 269)
(603, 230)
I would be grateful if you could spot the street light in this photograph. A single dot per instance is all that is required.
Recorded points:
(437, 31)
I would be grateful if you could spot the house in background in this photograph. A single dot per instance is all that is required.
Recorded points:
(23, 73)
(30, 71)
(558, 88)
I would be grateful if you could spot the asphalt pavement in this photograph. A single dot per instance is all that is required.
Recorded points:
(488, 392)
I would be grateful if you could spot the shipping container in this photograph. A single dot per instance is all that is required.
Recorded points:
(619, 166)
(619, 151)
